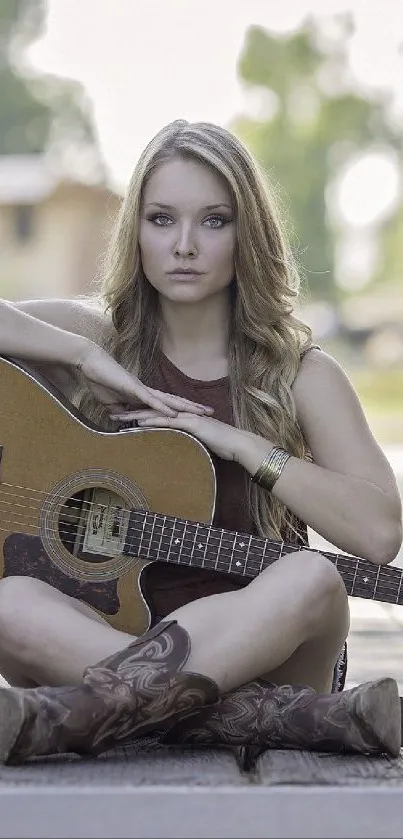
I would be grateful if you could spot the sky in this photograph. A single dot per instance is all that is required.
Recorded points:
(144, 63)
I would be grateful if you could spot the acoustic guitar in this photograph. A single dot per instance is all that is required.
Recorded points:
(88, 511)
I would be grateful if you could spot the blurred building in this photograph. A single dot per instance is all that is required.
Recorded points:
(53, 228)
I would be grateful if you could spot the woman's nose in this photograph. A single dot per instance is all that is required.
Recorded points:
(185, 244)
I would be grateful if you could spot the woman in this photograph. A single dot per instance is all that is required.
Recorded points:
(196, 332)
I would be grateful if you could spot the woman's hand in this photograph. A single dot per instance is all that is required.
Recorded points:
(115, 387)
(224, 440)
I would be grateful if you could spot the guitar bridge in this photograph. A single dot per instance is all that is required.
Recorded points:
(106, 525)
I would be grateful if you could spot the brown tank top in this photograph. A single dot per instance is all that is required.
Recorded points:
(231, 511)
(172, 586)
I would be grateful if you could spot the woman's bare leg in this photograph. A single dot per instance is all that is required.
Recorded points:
(49, 637)
(289, 624)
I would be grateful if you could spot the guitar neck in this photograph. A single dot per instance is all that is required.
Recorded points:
(162, 538)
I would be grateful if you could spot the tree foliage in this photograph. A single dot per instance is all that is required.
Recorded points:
(37, 111)
(314, 121)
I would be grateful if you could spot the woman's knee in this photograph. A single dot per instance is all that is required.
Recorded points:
(326, 592)
(320, 570)
(311, 584)
(19, 600)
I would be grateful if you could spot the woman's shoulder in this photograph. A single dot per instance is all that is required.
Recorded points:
(316, 367)
(323, 391)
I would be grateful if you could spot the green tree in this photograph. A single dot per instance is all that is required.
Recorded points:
(314, 122)
(390, 264)
(38, 111)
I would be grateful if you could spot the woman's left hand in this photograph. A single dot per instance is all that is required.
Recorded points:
(224, 440)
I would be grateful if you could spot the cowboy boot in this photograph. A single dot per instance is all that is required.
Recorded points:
(138, 689)
(366, 719)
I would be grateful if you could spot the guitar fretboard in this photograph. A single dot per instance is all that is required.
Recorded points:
(162, 538)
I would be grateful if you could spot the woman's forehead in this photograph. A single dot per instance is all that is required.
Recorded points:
(179, 182)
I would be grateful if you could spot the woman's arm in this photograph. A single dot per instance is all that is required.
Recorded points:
(62, 341)
(35, 337)
(349, 493)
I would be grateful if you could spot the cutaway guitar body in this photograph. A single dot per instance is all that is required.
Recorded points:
(66, 492)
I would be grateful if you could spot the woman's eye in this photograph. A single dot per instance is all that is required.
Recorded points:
(216, 221)
(160, 220)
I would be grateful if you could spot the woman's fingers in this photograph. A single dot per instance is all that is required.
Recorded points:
(128, 415)
(112, 384)
(166, 403)
(181, 404)
(137, 392)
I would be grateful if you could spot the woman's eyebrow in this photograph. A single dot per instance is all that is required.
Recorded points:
(170, 207)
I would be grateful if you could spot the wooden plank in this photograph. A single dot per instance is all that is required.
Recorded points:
(145, 764)
(154, 792)
(279, 767)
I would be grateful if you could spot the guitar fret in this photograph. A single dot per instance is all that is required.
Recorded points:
(262, 558)
(169, 551)
(142, 535)
(231, 559)
(399, 590)
(200, 545)
(154, 521)
(248, 554)
(354, 578)
(218, 550)
(183, 539)
(377, 579)
(195, 545)
(177, 541)
(206, 546)
(160, 537)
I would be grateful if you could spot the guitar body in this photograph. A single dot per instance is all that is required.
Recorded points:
(66, 490)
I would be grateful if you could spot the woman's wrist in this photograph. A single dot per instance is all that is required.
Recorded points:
(262, 459)
(77, 350)
(252, 451)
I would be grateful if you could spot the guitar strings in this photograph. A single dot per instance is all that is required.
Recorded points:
(188, 523)
(73, 508)
(257, 567)
(255, 563)
(55, 495)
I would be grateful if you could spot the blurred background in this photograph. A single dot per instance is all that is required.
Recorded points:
(315, 90)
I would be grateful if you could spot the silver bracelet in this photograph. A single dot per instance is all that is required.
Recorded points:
(271, 468)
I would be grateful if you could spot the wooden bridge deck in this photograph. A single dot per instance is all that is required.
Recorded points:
(149, 790)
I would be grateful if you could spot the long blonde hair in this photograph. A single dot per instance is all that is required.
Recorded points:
(266, 339)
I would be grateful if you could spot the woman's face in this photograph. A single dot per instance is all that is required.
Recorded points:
(187, 231)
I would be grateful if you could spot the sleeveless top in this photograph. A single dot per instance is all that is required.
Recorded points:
(231, 511)
(172, 585)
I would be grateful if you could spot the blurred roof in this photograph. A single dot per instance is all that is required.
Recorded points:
(30, 178)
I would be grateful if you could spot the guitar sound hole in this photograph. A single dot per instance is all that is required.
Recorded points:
(93, 524)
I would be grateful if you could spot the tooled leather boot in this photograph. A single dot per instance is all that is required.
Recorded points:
(366, 719)
(139, 688)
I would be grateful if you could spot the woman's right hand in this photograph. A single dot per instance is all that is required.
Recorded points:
(115, 387)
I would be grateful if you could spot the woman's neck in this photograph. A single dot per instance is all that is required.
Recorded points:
(196, 332)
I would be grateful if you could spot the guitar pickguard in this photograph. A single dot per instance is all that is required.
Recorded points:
(26, 556)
